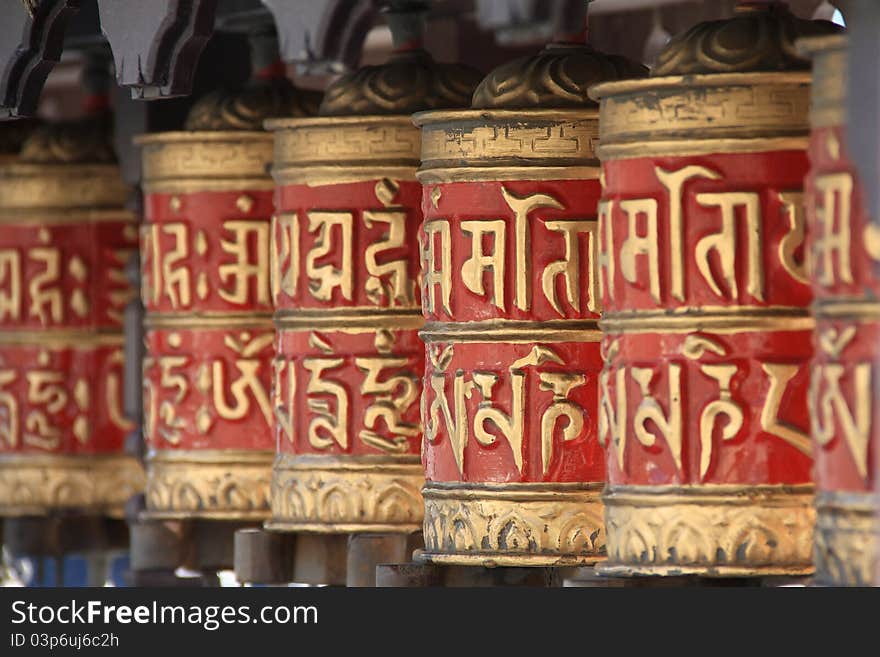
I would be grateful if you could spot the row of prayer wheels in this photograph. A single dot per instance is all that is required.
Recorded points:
(544, 332)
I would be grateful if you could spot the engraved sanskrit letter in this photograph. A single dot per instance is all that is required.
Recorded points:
(511, 426)
(245, 267)
(612, 417)
(635, 244)
(456, 424)
(326, 420)
(674, 182)
(479, 262)
(176, 279)
(570, 266)
(284, 263)
(9, 420)
(431, 276)
(387, 279)
(10, 284)
(388, 406)
(44, 288)
(561, 384)
(832, 230)
(284, 407)
(780, 375)
(606, 257)
(724, 405)
(249, 368)
(324, 278)
(521, 207)
(649, 408)
(793, 206)
(724, 243)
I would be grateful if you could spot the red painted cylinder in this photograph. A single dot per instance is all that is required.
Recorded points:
(510, 288)
(65, 240)
(844, 248)
(345, 272)
(707, 330)
(206, 287)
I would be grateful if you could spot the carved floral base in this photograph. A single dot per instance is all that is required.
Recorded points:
(713, 531)
(847, 539)
(209, 484)
(347, 494)
(36, 485)
(513, 524)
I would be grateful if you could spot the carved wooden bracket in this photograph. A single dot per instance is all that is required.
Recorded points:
(156, 45)
(327, 35)
(31, 40)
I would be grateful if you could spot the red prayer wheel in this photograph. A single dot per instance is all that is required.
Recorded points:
(707, 330)
(510, 290)
(345, 283)
(65, 240)
(844, 249)
(208, 417)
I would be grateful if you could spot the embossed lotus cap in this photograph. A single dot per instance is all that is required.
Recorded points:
(760, 37)
(556, 77)
(410, 81)
(268, 94)
(247, 108)
(87, 141)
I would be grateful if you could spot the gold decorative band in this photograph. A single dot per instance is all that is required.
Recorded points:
(493, 173)
(847, 538)
(60, 186)
(211, 484)
(683, 147)
(722, 106)
(239, 321)
(830, 79)
(347, 142)
(343, 494)
(858, 309)
(505, 144)
(194, 186)
(513, 524)
(205, 161)
(737, 319)
(61, 338)
(39, 484)
(349, 318)
(720, 530)
(513, 331)
(42, 217)
(318, 176)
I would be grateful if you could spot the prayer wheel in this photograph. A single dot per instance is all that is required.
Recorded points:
(510, 289)
(205, 284)
(345, 282)
(707, 330)
(844, 249)
(65, 240)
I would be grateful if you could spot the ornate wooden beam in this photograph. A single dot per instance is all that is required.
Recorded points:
(326, 35)
(156, 45)
(31, 40)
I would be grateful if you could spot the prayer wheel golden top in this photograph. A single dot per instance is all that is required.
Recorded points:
(365, 128)
(223, 145)
(737, 85)
(64, 165)
(530, 117)
(556, 77)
